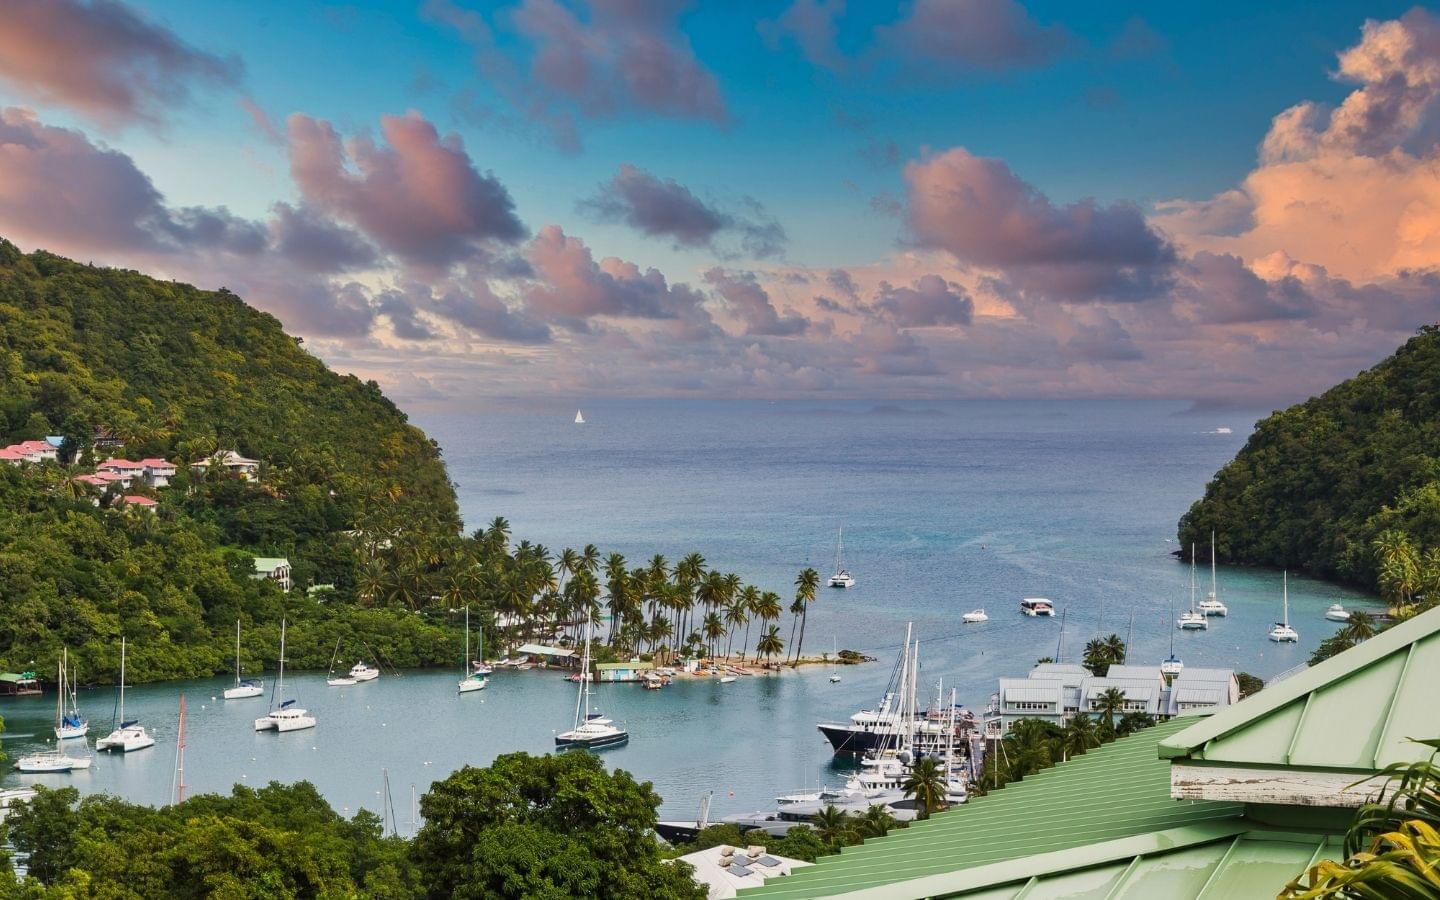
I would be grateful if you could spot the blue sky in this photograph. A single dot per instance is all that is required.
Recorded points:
(1071, 136)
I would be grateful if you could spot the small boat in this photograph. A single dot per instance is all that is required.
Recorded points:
(363, 671)
(69, 724)
(470, 680)
(727, 679)
(1337, 613)
(651, 682)
(592, 730)
(130, 735)
(974, 616)
(1281, 632)
(834, 661)
(288, 716)
(1211, 605)
(50, 762)
(331, 678)
(524, 667)
(842, 577)
(579, 418)
(244, 687)
(1037, 606)
(1194, 620)
(1223, 429)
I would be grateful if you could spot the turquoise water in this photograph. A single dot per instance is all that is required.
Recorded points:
(946, 507)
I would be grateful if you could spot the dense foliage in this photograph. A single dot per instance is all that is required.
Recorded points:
(1317, 484)
(544, 827)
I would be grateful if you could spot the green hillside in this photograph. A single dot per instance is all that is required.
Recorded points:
(169, 371)
(1345, 485)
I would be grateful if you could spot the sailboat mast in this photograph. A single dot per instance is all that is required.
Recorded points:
(1129, 636)
(1060, 644)
(60, 694)
(1214, 587)
(177, 789)
(1192, 577)
(122, 680)
(465, 660)
(280, 680)
(1285, 595)
(582, 698)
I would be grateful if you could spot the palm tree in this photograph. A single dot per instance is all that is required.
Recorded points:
(876, 821)
(1096, 657)
(1118, 651)
(1359, 627)
(714, 629)
(770, 644)
(834, 827)
(1110, 702)
(1079, 735)
(805, 584)
(926, 783)
(737, 613)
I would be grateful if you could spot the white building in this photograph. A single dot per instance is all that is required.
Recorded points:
(724, 870)
(232, 462)
(275, 568)
(1056, 691)
(158, 472)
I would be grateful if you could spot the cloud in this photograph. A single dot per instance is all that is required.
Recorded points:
(316, 243)
(813, 26)
(980, 211)
(419, 196)
(750, 303)
(614, 59)
(103, 59)
(943, 37)
(1221, 288)
(665, 208)
(929, 301)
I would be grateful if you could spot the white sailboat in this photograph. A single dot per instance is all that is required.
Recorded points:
(69, 724)
(130, 735)
(1281, 632)
(592, 731)
(1193, 620)
(1211, 605)
(579, 418)
(57, 760)
(842, 577)
(478, 664)
(331, 678)
(1172, 665)
(834, 661)
(469, 681)
(244, 687)
(287, 716)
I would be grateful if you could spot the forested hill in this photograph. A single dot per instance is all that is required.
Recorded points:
(122, 365)
(1340, 483)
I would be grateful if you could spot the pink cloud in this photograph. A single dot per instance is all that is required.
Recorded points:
(419, 196)
(750, 303)
(946, 36)
(103, 59)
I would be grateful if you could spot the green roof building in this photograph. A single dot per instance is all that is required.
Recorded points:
(1230, 805)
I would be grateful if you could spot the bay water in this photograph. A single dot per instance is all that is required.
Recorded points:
(946, 506)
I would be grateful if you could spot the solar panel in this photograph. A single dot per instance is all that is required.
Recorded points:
(738, 869)
(767, 861)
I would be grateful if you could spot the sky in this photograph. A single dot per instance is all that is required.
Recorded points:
(924, 199)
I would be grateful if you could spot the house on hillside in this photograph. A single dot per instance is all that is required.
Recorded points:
(232, 462)
(1229, 803)
(158, 472)
(126, 471)
(28, 451)
(139, 502)
(275, 568)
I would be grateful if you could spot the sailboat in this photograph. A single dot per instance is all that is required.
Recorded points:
(1211, 605)
(130, 735)
(579, 418)
(287, 716)
(469, 681)
(834, 661)
(479, 665)
(842, 578)
(244, 687)
(1281, 632)
(331, 678)
(69, 724)
(592, 730)
(1193, 620)
(56, 760)
(1172, 664)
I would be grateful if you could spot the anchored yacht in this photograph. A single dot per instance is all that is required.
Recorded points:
(130, 735)
(1281, 632)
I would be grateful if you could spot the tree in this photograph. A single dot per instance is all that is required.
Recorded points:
(806, 584)
(1359, 627)
(550, 826)
(1249, 684)
(1079, 735)
(770, 644)
(876, 821)
(835, 827)
(926, 783)
(714, 630)
(1109, 703)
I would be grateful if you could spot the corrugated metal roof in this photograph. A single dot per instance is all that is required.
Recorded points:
(1058, 809)
(1132, 690)
(1032, 695)
(1198, 695)
(1352, 711)
(1194, 863)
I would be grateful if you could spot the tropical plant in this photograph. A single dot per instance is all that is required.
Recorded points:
(835, 827)
(1079, 735)
(770, 644)
(876, 821)
(1109, 703)
(926, 783)
(806, 584)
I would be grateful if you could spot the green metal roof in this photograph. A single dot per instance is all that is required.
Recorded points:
(1352, 711)
(634, 665)
(1213, 861)
(1117, 791)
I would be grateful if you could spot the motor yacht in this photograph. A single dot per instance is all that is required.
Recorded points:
(1337, 613)
(363, 671)
(975, 616)
(1037, 606)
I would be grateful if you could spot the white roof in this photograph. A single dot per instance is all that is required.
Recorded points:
(723, 881)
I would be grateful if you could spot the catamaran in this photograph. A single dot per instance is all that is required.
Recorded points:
(1193, 620)
(130, 735)
(287, 716)
(842, 577)
(1281, 632)
(1037, 606)
(69, 724)
(592, 730)
(244, 687)
(469, 680)
(1211, 605)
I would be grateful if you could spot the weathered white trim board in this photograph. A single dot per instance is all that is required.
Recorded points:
(1291, 787)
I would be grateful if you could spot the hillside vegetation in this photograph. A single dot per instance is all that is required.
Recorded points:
(1345, 485)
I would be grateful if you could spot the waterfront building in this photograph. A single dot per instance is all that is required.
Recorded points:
(19, 684)
(1054, 692)
(275, 568)
(1227, 803)
(622, 671)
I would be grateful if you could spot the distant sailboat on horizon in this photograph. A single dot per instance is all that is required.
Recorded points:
(579, 417)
